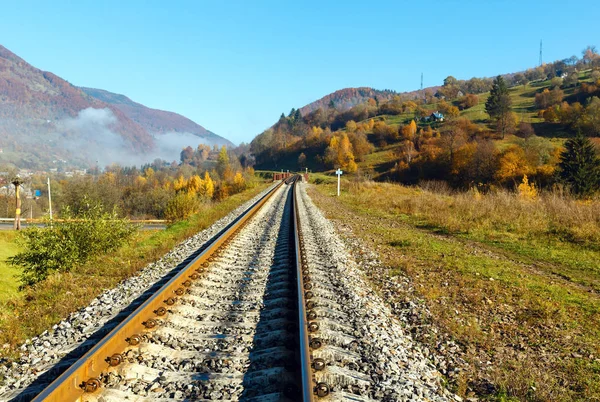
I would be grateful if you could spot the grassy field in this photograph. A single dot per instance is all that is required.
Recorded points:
(8, 274)
(34, 310)
(516, 283)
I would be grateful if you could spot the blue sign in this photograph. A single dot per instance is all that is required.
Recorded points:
(38, 193)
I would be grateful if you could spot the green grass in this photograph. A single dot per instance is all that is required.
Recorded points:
(9, 281)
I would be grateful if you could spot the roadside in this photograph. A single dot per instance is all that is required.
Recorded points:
(499, 324)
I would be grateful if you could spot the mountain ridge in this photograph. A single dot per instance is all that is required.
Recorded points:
(44, 119)
(155, 121)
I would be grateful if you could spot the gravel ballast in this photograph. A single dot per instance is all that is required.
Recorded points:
(398, 367)
(44, 357)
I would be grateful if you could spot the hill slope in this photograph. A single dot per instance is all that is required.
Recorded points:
(47, 122)
(153, 120)
(346, 98)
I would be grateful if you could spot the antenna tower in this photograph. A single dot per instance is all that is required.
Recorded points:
(421, 81)
(541, 52)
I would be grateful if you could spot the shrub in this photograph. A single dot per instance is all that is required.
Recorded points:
(526, 190)
(182, 206)
(68, 243)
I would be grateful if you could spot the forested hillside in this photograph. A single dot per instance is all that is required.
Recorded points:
(478, 133)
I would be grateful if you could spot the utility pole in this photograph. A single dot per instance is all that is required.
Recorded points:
(49, 199)
(17, 183)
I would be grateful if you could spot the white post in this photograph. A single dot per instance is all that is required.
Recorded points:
(339, 175)
(49, 198)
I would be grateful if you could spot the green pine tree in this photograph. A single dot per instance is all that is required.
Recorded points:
(499, 103)
(579, 166)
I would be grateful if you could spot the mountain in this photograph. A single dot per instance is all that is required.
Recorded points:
(346, 98)
(47, 122)
(153, 120)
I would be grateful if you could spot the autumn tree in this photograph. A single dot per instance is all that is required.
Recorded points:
(579, 166)
(572, 79)
(179, 184)
(591, 117)
(384, 133)
(499, 103)
(360, 145)
(239, 183)
(187, 154)
(207, 187)
(339, 153)
(302, 160)
(548, 98)
(223, 160)
(590, 56)
(409, 131)
(351, 126)
(468, 101)
(193, 184)
(408, 151)
(512, 164)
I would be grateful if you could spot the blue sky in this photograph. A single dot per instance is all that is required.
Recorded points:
(234, 66)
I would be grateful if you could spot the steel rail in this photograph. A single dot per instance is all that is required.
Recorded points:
(83, 375)
(303, 288)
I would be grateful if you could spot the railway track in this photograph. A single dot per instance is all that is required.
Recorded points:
(261, 314)
(238, 323)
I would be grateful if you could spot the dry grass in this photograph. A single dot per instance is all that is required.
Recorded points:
(558, 233)
(515, 283)
(38, 308)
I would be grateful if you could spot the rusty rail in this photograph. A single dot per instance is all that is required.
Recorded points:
(83, 376)
(304, 294)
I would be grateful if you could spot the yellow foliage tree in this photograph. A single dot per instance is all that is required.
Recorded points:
(179, 183)
(149, 173)
(109, 177)
(409, 131)
(345, 154)
(340, 153)
(527, 190)
(207, 189)
(238, 182)
(140, 181)
(512, 164)
(194, 184)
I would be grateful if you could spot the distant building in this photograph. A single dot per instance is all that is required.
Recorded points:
(460, 94)
(436, 116)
